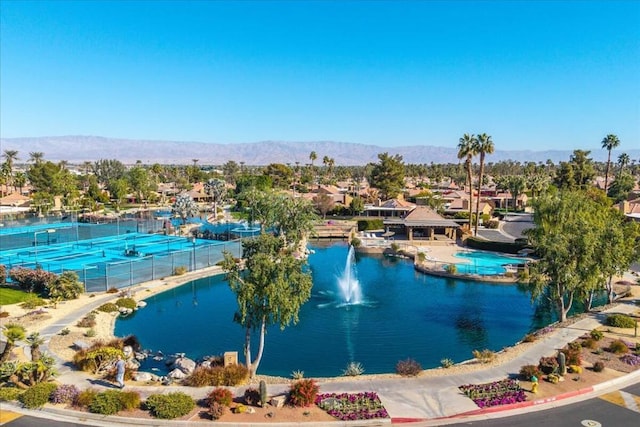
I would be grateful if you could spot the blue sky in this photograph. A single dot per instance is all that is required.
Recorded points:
(534, 75)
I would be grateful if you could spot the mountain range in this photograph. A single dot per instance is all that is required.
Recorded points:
(78, 149)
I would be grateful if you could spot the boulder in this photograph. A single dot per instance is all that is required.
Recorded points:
(185, 364)
(177, 374)
(128, 351)
(142, 304)
(278, 401)
(81, 345)
(144, 376)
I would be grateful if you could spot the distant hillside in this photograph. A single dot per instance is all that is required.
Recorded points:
(78, 149)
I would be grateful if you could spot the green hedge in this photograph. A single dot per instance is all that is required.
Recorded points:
(485, 245)
(370, 224)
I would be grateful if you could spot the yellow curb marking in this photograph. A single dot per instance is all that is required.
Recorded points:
(8, 416)
(624, 399)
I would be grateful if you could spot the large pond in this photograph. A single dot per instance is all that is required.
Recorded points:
(398, 314)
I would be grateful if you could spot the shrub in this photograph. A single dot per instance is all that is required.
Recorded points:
(572, 356)
(8, 394)
(180, 270)
(484, 356)
(33, 302)
(618, 347)
(631, 359)
(216, 410)
(203, 376)
(108, 307)
(106, 403)
(574, 369)
(596, 334)
(112, 290)
(251, 396)
(169, 406)
(575, 345)
(590, 343)
(220, 395)
(65, 331)
(30, 280)
(90, 333)
(129, 303)
(528, 371)
(65, 287)
(408, 368)
(297, 375)
(88, 321)
(492, 224)
(620, 321)
(96, 358)
(65, 394)
(235, 374)
(303, 392)
(446, 363)
(548, 365)
(529, 338)
(129, 400)
(36, 396)
(598, 366)
(4, 314)
(353, 369)
(451, 268)
(85, 398)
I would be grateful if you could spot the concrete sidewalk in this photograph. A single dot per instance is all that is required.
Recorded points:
(423, 401)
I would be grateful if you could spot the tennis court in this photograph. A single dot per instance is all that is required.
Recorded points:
(121, 259)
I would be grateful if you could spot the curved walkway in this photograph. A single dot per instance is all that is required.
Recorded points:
(422, 400)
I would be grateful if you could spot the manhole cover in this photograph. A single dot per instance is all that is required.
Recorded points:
(590, 423)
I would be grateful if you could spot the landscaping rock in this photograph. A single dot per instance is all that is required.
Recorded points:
(81, 345)
(185, 364)
(176, 374)
(144, 377)
(278, 401)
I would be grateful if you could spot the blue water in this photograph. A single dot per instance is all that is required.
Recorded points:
(484, 263)
(403, 314)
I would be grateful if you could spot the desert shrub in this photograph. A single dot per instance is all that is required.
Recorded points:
(64, 331)
(596, 334)
(88, 321)
(36, 396)
(170, 406)
(235, 374)
(106, 403)
(112, 290)
(108, 307)
(4, 314)
(451, 268)
(127, 303)
(484, 356)
(8, 394)
(574, 369)
(598, 366)
(221, 395)
(618, 347)
(590, 343)
(180, 270)
(572, 356)
(32, 302)
(251, 396)
(408, 368)
(96, 358)
(575, 345)
(65, 287)
(529, 338)
(446, 363)
(216, 410)
(65, 394)
(620, 321)
(90, 333)
(548, 365)
(493, 224)
(30, 280)
(528, 371)
(85, 398)
(130, 400)
(631, 359)
(353, 369)
(303, 392)
(203, 376)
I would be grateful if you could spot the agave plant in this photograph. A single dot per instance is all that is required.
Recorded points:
(353, 369)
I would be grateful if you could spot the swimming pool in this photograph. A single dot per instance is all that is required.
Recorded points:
(485, 263)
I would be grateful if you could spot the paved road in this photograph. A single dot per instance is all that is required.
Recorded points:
(614, 409)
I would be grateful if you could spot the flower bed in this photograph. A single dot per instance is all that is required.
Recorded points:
(349, 406)
(505, 392)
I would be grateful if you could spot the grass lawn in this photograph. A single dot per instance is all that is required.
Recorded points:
(12, 296)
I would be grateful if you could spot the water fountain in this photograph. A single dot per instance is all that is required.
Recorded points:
(348, 282)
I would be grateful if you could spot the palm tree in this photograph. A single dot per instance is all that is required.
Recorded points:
(13, 332)
(623, 161)
(484, 145)
(35, 341)
(10, 156)
(313, 156)
(467, 148)
(609, 142)
(36, 156)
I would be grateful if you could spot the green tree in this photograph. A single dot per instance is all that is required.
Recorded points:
(10, 156)
(140, 182)
(357, 205)
(388, 175)
(484, 147)
(271, 291)
(217, 190)
(66, 286)
(621, 187)
(323, 204)
(609, 142)
(118, 189)
(281, 175)
(565, 237)
(109, 170)
(467, 149)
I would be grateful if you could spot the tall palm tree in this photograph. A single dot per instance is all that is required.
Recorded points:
(10, 156)
(484, 145)
(36, 157)
(623, 161)
(467, 146)
(609, 142)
